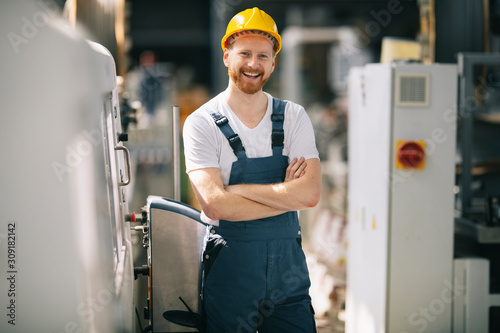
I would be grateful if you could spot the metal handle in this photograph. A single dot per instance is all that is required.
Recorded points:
(127, 160)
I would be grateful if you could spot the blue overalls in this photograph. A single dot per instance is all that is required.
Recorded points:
(255, 275)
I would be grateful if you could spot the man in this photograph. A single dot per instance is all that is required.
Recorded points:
(253, 163)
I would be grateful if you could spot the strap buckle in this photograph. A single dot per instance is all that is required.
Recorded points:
(278, 137)
(221, 121)
(277, 117)
(235, 143)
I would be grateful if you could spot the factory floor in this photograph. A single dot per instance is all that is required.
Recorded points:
(326, 325)
(328, 296)
(328, 292)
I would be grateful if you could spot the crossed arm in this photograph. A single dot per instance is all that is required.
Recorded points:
(300, 190)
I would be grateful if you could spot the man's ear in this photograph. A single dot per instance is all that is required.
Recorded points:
(226, 58)
(274, 63)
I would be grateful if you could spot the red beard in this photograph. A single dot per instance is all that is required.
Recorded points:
(246, 85)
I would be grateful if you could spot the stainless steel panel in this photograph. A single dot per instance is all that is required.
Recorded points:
(176, 245)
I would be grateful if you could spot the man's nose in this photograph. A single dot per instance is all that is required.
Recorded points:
(253, 61)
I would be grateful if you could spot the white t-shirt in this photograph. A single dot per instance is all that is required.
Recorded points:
(205, 146)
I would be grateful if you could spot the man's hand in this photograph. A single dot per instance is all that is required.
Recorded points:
(218, 204)
(300, 190)
(244, 202)
(296, 169)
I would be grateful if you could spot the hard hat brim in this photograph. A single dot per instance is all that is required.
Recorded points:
(276, 43)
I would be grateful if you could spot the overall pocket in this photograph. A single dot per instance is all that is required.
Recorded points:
(213, 247)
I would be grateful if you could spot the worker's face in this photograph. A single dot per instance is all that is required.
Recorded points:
(250, 62)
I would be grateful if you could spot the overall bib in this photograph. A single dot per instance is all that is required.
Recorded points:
(255, 275)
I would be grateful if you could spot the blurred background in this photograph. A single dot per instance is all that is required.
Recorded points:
(168, 53)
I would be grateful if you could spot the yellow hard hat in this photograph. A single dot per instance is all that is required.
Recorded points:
(252, 19)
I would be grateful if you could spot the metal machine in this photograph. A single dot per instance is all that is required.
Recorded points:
(423, 234)
(65, 249)
(401, 179)
(477, 227)
(65, 237)
(173, 234)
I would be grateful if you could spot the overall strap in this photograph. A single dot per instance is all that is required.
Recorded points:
(233, 138)
(278, 117)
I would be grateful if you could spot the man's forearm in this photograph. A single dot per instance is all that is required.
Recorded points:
(297, 194)
(237, 208)
(218, 204)
(278, 196)
(250, 202)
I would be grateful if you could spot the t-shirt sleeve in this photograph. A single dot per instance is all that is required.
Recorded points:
(302, 140)
(200, 143)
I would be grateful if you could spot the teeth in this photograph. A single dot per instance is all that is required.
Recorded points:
(251, 74)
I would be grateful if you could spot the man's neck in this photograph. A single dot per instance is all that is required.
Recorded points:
(249, 108)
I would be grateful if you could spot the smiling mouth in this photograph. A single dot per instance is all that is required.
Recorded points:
(247, 74)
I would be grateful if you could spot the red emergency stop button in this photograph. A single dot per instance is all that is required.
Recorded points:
(131, 217)
(410, 154)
